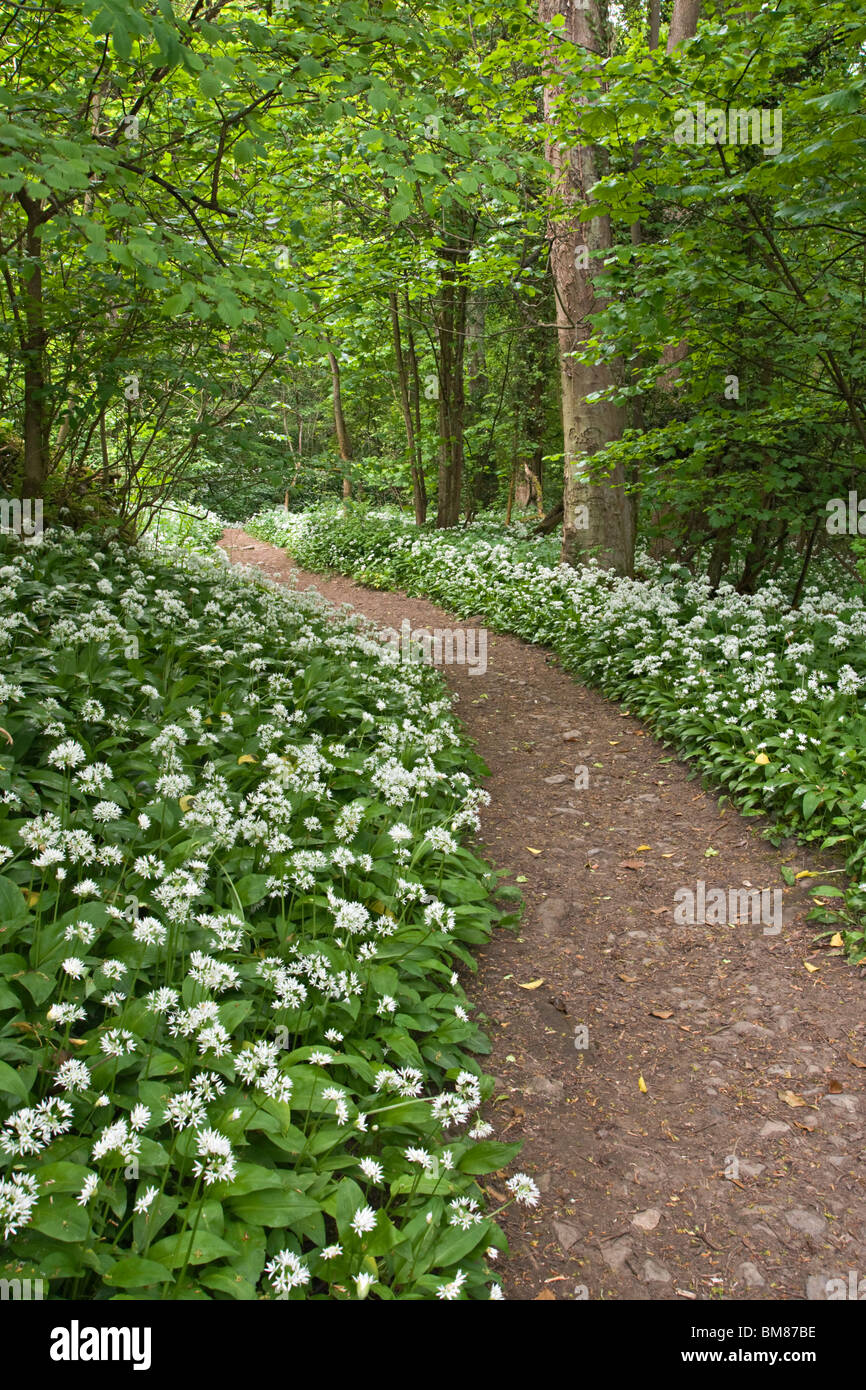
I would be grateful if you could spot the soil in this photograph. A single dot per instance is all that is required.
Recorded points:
(708, 1142)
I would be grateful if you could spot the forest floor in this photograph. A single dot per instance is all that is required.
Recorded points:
(738, 1171)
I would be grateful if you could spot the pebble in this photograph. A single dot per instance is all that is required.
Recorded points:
(647, 1220)
(616, 1252)
(808, 1221)
(846, 1103)
(816, 1288)
(566, 1235)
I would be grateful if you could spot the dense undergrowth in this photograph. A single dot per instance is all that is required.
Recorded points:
(768, 700)
(236, 1060)
(185, 527)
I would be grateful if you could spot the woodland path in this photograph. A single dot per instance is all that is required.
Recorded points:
(641, 1196)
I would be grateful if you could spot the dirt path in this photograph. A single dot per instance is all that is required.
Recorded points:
(709, 1183)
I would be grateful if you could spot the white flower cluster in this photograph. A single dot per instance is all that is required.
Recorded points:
(216, 885)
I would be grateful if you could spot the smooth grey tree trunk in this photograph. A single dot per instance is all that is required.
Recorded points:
(599, 515)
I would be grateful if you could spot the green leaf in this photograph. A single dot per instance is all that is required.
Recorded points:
(275, 1208)
(350, 1198)
(252, 888)
(62, 1218)
(12, 904)
(134, 1272)
(456, 1244)
(488, 1157)
(8, 998)
(62, 1177)
(210, 84)
(11, 1082)
(230, 1282)
(811, 801)
(206, 1246)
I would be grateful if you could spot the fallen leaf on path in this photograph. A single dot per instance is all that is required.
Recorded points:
(855, 1061)
(655, 911)
(811, 968)
(534, 851)
(533, 984)
(629, 979)
(545, 1295)
(632, 864)
(791, 1099)
(662, 1013)
(835, 1087)
(642, 847)
(641, 1085)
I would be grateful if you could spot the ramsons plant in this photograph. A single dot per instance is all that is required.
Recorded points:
(236, 1060)
(767, 699)
(186, 527)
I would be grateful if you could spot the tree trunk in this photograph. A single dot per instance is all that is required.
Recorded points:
(103, 447)
(683, 26)
(533, 375)
(510, 503)
(550, 522)
(419, 491)
(599, 516)
(684, 22)
(720, 555)
(451, 330)
(534, 491)
(343, 442)
(414, 394)
(654, 22)
(801, 581)
(33, 357)
(86, 207)
(756, 557)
